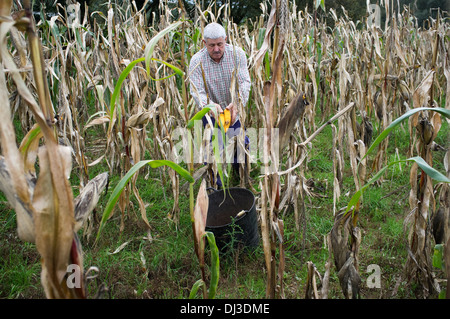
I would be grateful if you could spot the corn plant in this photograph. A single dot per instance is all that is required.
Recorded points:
(47, 214)
(114, 72)
(343, 254)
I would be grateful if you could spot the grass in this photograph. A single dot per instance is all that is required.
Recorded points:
(19, 262)
(19, 272)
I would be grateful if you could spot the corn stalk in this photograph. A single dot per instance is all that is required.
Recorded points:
(422, 198)
(46, 211)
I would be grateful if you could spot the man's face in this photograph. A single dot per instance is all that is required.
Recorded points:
(215, 47)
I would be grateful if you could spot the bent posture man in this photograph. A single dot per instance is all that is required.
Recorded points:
(219, 61)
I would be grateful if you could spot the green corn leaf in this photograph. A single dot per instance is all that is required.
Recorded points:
(434, 174)
(261, 35)
(317, 4)
(34, 133)
(430, 171)
(124, 181)
(78, 38)
(181, 171)
(124, 75)
(215, 141)
(267, 66)
(320, 3)
(152, 43)
(395, 123)
(196, 36)
(173, 67)
(199, 283)
(118, 86)
(438, 256)
(215, 265)
(198, 116)
(355, 198)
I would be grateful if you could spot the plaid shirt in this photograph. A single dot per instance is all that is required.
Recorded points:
(218, 77)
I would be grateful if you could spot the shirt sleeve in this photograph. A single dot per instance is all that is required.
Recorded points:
(197, 87)
(243, 78)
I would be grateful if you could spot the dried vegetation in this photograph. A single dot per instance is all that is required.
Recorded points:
(110, 73)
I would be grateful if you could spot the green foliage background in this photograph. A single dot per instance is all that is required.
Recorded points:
(244, 9)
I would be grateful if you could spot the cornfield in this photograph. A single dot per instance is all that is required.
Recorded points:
(103, 96)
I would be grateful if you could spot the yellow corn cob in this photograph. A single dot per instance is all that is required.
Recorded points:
(225, 119)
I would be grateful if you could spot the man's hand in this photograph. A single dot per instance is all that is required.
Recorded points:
(215, 112)
(233, 111)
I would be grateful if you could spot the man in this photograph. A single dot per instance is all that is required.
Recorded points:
(219, 61)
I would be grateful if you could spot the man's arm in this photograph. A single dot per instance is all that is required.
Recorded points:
(197, 86)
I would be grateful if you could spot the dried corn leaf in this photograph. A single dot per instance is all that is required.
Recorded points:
(13, 181)
(421, 92)
(88, 198)
(259, 55)
(200, 214)
(28, 148)
(97, 121)
(54, 221)
(344, 255)
(311, 290)
(24, 212)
